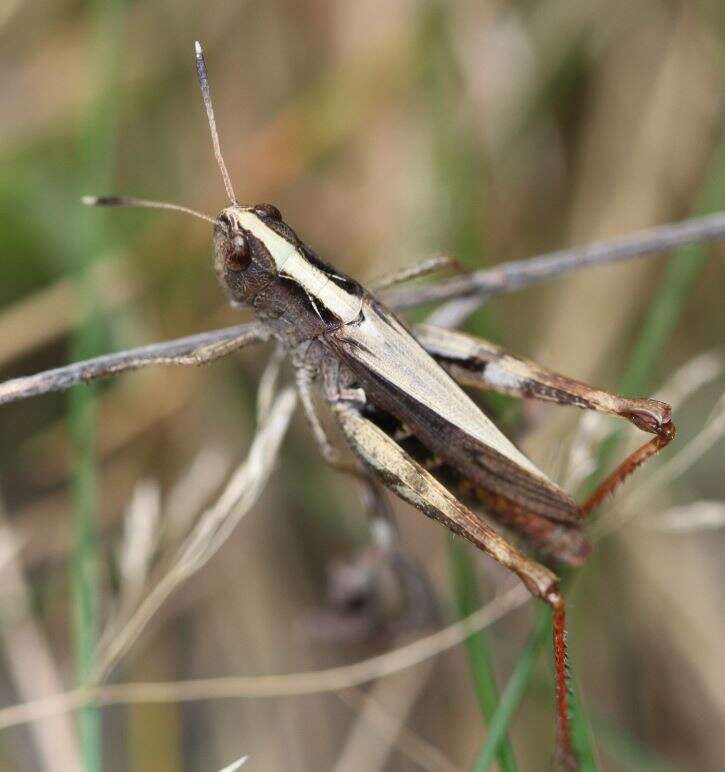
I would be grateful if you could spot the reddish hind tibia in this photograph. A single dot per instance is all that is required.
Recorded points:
(665, 434)
(565, 755)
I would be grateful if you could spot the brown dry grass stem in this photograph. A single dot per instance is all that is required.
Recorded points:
(293, 684)
(480, 284)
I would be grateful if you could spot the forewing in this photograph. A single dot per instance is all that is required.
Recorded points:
(401, 377)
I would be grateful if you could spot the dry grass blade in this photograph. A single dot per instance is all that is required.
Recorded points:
(595, 427)
(692, 376)
(235, 765)
(385, 722)
(28, 656)
(211, 531)
(62, 378)
(478, 285)
(205, 474)
(713, 431)
(291, 684)
(140, 537)
(689, 518)
(521, 273)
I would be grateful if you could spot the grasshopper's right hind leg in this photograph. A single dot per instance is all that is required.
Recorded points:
(411, 482)
(478, 364)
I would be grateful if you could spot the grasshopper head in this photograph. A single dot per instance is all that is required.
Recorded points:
(251, 243)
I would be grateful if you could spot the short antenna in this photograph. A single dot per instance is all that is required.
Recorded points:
(144, 204)
(206, 96)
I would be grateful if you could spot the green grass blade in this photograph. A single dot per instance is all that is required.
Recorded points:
(581, 729)
(514, 692)
(84, 564)
(661, 319)
(95, 160)
(458, 214)
(666, 307)
(628, 751)
(479, 653)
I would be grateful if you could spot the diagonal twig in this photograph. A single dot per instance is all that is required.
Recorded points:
(516, 274)
(506, 277)
(62, 378)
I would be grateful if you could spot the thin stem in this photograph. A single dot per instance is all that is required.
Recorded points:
(514, 275)
(89, 370)
(661, 319)
(514, 691)
(506, 277)
(96, 151)
(285, 685)
(479, 653)
(457, 214)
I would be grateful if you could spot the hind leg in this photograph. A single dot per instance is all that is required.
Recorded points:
(478, 364)
(397, 471)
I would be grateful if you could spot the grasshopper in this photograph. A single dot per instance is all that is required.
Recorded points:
(397, 394)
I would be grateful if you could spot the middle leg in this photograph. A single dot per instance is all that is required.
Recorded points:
(382, 525)
(381, 576)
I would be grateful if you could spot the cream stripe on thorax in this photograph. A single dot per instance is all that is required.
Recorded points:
(290, 262)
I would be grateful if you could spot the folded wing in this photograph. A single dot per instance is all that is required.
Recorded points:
(399, 376)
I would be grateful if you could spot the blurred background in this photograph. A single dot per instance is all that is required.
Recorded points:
(385, 132)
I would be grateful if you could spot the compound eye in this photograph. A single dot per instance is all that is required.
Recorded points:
(239, 257)
(268, 210)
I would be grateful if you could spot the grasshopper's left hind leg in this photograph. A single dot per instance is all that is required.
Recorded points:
(411, 482)
(476, 363)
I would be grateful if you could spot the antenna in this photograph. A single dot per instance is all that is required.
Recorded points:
(144, 204)
(206, 96)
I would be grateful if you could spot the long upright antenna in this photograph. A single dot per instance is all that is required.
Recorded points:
(206, 96)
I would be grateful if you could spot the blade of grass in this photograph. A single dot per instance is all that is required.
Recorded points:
(479, 654)
(84, 574)
(95, 153)
(628, 751)
(682, 272)
(615, 741)
(659, 322)
(460, 204)
(514, 692)
(581, 729)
